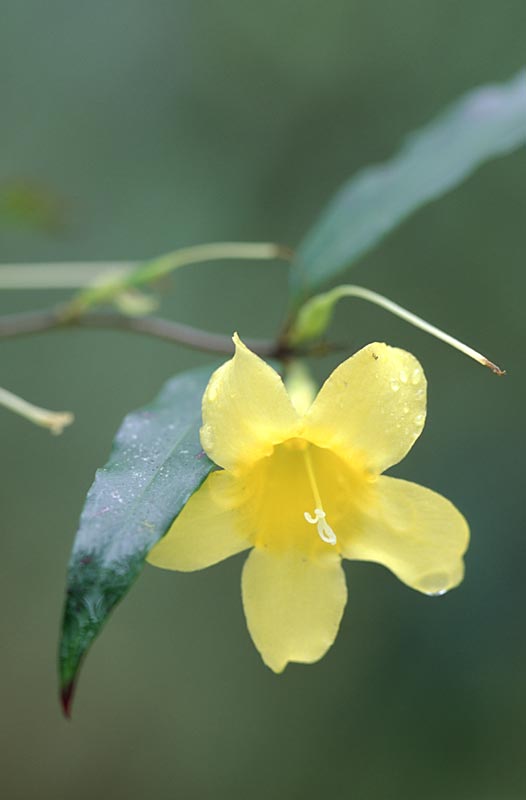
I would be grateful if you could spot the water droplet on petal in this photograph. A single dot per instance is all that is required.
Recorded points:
(403, 376)
(394, 385)
(207, 437)
(419, 419)
(211, 392)
(416, 377)
(435, 584)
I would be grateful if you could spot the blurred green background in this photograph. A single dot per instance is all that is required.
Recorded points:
(151, 125)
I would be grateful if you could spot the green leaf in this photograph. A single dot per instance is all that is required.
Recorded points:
(156, 464)
(487, 122)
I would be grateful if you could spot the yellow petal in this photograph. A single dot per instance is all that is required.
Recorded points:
(207, 530)
(373, 406)
(293, 605)
(414, 532)
(246, 410)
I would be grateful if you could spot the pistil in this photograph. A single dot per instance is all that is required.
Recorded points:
(325, 531)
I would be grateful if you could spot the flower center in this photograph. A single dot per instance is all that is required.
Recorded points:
(297, 486)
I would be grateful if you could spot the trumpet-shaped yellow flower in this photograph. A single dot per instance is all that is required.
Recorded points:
(305, 490)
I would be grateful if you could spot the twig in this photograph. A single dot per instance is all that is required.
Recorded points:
(28, 323)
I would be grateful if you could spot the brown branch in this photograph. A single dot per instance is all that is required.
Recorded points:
(33, 322)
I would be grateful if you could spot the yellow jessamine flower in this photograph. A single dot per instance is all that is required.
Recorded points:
(303, 488)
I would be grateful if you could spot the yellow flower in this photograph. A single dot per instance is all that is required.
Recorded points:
(305, 490)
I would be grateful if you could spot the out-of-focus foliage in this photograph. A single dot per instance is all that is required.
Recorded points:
(24, 204)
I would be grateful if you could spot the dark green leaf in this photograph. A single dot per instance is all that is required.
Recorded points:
(485, 123)
(156, 464)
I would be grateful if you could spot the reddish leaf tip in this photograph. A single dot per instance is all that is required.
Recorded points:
(66, 698)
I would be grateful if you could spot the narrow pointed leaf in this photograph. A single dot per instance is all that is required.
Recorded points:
(487, 122)
(156, 464)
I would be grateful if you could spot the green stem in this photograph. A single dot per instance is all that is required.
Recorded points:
(55, 421)
(417, 322)
(127, 274)
(314, 317)
(157, 268)
(67, 275)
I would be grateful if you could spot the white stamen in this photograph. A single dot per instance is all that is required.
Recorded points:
(325, 531)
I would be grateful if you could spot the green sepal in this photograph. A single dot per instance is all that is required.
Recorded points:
(313, 318)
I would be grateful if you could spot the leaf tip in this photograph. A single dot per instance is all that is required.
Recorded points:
(66, 698)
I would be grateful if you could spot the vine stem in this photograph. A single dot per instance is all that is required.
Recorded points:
(120, 274)
(60, 275)
(33, 322)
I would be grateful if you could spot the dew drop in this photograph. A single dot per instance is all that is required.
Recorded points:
(207, 437)
(394, 385)
(419, 419)
(403, 376)
(416, 377)
(435, 584)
